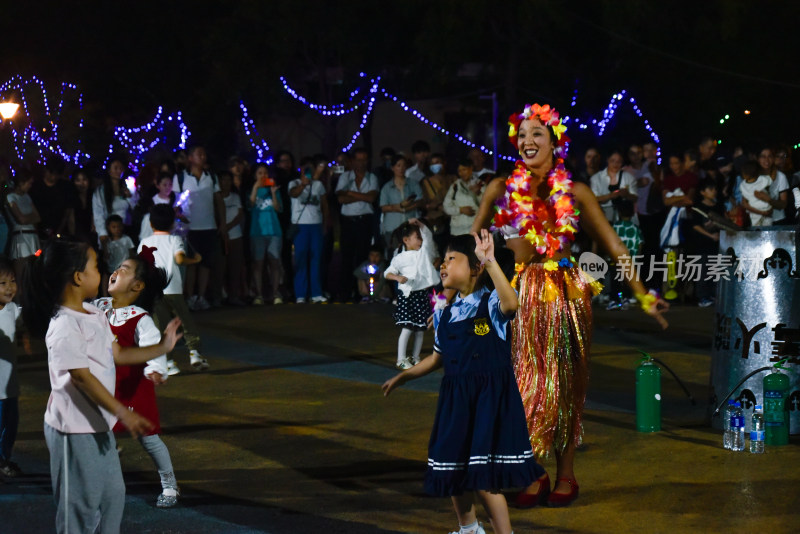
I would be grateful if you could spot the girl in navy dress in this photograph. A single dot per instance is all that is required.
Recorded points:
(479, 443)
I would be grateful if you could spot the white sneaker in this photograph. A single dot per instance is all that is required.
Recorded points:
(300, 300)
(319, 300)
(405, 364)
(277, 300)
(168, 498)
(479, 530)
(172, 368)
(198, 362)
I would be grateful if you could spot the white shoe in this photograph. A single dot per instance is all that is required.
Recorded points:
(198, 362)
(168, 498)
(405, 364)
(319, 300)
(300, 300)
(479, 530)
(172, 368)
(202, 304)
(277, 300)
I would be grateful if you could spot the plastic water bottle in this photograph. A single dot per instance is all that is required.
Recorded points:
(757, 431)
(726, 424)
(737, 428)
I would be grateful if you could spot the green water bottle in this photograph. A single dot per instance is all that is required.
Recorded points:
(648, 395)
(776, 414)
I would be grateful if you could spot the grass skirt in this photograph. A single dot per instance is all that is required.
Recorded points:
(550, 352)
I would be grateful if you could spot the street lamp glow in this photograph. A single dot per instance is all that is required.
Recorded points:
(8, 109)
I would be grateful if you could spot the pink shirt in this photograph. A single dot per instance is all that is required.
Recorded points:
(76, 341)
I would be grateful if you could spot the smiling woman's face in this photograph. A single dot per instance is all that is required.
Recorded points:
(535, 144)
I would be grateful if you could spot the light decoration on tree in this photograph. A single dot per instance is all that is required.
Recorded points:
(35, 135)
(600, 125)
(138, 141)
(260, 146)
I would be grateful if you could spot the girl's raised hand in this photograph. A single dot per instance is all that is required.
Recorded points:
(484, 245)
(171, 335)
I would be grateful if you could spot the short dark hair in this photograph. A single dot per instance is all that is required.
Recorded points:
(466, 162)
(164, 176)
(162, 217)
(692, 154)
(114, 218)
(750, 169)
(194, 146)
(707, 183)
(396, 159)
(6, 267)
(420, 146)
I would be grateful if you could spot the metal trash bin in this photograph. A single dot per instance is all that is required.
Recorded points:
(757, 320)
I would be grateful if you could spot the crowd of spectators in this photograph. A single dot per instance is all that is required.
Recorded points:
(304, 230)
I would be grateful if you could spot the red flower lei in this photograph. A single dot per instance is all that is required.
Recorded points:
(548, 225)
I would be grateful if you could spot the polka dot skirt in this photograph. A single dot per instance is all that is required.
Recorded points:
(413, 311)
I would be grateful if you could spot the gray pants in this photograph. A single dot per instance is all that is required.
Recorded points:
(87, 482)
(175, 306)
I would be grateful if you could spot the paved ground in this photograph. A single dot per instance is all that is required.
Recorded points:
(289, 434)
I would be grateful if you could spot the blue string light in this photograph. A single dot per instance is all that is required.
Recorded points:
(369, 99)
(138, 141)
(442, 129)
(261, 147)
(31, 137)
(370, 103)
(336, 110)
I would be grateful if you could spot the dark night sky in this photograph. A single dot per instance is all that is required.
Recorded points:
(688, 63)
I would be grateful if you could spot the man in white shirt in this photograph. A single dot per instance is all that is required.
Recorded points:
(356, 191)
(206, 224)
(421, 152)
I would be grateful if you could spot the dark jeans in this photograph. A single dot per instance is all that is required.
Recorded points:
(355, 240)
(9, 421)
(650, 225)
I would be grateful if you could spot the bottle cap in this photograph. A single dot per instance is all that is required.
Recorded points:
(759, 407)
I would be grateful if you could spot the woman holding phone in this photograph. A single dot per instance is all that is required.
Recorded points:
(400, 200)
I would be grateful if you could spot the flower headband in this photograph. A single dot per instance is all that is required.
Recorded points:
(547, 116)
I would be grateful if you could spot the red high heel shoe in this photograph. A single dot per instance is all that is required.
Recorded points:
(529, 500)
(564, 499)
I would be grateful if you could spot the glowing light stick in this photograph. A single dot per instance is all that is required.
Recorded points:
(372, 270)
(438, 300)
(130, 182)
(183, 200)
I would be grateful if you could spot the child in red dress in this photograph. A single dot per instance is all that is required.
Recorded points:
(134, 287)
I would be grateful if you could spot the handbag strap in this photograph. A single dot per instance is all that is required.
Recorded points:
(305, 204)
